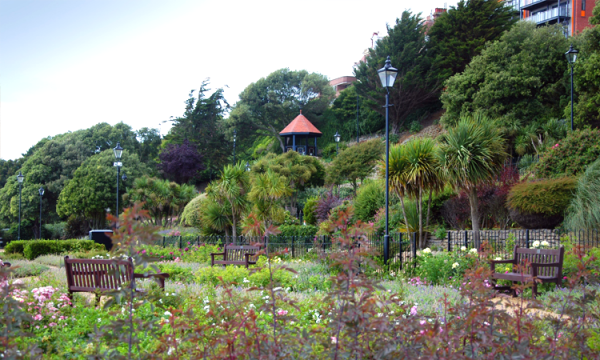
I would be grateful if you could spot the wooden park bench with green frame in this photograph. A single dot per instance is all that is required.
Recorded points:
(531, 265)
(236, 255)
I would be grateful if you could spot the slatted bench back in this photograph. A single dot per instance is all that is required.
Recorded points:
(91, 275)
(540, 256)
(238, 252)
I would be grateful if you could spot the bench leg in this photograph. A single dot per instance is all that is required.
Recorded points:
(71, 298)
(98, 298)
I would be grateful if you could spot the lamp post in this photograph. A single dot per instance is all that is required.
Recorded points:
(387, 75)
(337, 142)
(571, 58)
(41, 192)
(20, 179)
(247, 166)
(118, 150)
(234, 136)
(124, 177)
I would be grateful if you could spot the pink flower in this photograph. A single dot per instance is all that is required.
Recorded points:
(333, 340)
(52, 324)
(38, 317)
(143, 251)
(177, 259)
(281, 312)
(413, 310)
(422, 322)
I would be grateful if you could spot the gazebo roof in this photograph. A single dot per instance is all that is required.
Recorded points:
(300, 126)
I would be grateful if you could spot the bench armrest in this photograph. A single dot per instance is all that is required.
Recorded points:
(212, 257)
(494, 262)
(161, 277)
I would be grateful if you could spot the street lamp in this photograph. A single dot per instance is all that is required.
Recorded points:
(571, 58)
(41, 192)
(20, 179)
(124, 177)
(234, 136)
(247, 166)
(118, 150)
(337, 142)
(387, 75)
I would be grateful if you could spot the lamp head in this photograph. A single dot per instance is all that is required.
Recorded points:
(387, 74)
(247, 166)
(118, 150)
(20, 177)
(337, 137)
(124, 177)
(571, 55)
(41, 191)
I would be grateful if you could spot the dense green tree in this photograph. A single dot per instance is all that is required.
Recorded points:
(164, 200)
(518, 79)
(8, 168)
(149, 145)
(93, 187)
(355, 163)
(415, 86)
(471, 154)
(462, 33)
(267, 106)
(202, 125)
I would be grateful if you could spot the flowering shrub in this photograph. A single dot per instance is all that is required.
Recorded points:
(443, 268)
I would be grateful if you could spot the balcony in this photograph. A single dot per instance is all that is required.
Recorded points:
(549, 15)
(526, 4)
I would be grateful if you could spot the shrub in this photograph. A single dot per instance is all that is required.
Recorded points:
(415, 127)
(584, 211)
(191, 212)
(298, 230)
(329, 151)
(572, 155)
(177, 273)
(25, 268)
(76, 227)
(369, 199)
(31, 249)
(326, 203)
(547, 197)
(229, 275)
(310, 211)
(55, 231)
(15, 247)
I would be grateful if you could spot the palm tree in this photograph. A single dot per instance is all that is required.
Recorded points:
(471, 154)
(268, 189)
(232, 188)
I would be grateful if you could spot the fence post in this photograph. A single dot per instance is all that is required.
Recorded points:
(180, 241)
(466, 239)
(163, 241)
(293, 252)
(527, 238)
(401, 253)
(414, 248)
(449, 241)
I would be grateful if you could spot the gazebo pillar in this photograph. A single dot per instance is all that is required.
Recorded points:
(294, 142)
(316, 152)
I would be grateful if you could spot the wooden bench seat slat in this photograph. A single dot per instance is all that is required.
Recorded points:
(236, 255)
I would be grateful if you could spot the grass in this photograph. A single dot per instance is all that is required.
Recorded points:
(25, 268)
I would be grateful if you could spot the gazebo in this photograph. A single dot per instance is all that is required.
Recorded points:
(298, 136)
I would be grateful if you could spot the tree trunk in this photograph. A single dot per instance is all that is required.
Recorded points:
(281, 143)
(473, 202)
(420, 209)
(404, 213)
(234, 228)
(428, 208)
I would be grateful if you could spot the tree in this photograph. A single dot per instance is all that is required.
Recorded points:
(180, 163)
(202, 125)
(518, 79)
(164, 200)
(150, 142)
(462, 33)
(267, 106)
(231, 189)
(354, 163)
(414, 170)
(471, 154)
(93, 187)
(268, 189)
(415, 86)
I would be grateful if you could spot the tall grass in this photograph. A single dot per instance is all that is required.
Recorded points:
(584, 210)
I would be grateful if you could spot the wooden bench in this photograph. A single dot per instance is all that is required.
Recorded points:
(236, 255)
(98, 276)
(544, 265)
(2, 263)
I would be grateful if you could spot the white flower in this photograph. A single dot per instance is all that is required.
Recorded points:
(473, 251)
(206, 301)
(246, 280)
(536, 244)
(167, 313)
(427, 251)
(207, 308)
(455, 265)
(545, 243)
(463, 248)
(498, 259)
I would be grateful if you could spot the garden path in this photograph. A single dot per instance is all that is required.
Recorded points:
(513, 305)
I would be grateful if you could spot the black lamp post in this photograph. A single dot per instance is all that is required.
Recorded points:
(41, 192)
(124, 177)
(118, 150)
(20, 179)
(234, 136)
(337, 138)
(247, 166)
(571, 58)
(387, 75)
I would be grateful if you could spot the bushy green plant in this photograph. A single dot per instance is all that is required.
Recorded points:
(415, 127)
(26, 268)
(548, 197)
(229, 275)
(443, 268)
(298, 230)
(584, 210)
(56, 231)
(440, 233)
(177, 273)
(570, 156)
(31, 249)
(369, 199)
(263, 277)
(310, 208)
(331, 150)
(191, 212)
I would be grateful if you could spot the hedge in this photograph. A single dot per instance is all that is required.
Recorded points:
(298, 230)
(548, 197)
(31, 249)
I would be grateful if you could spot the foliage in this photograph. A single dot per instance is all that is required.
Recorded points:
(472, 154)
(319, 192)
(191, 212)
(443, 268)
(369, 199)
(326, 204)
(415, 127)
(452, 48)
(310, 210)
(539, 137)
(180, 163)
(268, 105)
(163, 199)
(298, 230)
(31, 249)
(7, 169)
(202, 125)
(415, 86)
(301, 171)
(584, 209)
(495, 83)
(93, 186)
(27, 268)
(268, 190)
(355, 163)
(55, 231)
(548, 197)
(77, 226)
(572, 155)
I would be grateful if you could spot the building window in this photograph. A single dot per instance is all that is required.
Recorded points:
(583, 5)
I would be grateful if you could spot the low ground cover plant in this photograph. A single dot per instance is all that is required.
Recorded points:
(31, 249)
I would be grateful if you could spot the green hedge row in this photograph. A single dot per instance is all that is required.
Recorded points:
(31, 249)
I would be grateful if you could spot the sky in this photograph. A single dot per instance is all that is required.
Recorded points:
(67, 65)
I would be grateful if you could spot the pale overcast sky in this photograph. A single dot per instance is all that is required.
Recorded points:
(66, 65)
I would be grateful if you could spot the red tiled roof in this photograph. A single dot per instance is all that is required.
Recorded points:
(300, 125)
